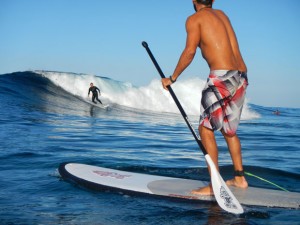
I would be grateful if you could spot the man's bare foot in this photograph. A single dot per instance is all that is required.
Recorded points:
(206, 191)
(239, 182)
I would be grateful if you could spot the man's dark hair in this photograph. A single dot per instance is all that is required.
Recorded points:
(205, 2)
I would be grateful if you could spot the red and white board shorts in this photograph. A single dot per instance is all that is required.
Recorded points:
(222, 100)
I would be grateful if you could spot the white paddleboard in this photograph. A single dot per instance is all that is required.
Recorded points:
(100, 178)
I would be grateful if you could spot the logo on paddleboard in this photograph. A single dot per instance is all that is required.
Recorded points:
(111, 174)
(228, 201)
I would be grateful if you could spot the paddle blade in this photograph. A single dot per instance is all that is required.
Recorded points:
(223, 194)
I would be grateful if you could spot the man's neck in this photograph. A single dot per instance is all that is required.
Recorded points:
(203, 7)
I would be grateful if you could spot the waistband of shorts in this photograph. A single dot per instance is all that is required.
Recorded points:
(218, 72)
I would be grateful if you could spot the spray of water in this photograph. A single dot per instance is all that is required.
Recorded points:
(151, 97)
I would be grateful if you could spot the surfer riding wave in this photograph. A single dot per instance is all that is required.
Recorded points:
(94, 91)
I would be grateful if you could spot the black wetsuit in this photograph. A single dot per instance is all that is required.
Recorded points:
(95, 94)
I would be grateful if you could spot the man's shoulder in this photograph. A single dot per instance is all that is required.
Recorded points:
(194, 18)
(220, 12)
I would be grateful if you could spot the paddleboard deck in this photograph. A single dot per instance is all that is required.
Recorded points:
(99, 178)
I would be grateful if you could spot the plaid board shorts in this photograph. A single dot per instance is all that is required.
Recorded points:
(222, 100)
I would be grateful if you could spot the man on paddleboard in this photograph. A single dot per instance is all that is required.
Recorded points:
(224, 93)
(94, 90)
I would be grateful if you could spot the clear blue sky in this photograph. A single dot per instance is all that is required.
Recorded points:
(104, 38)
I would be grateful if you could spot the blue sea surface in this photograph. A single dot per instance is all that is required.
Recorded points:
(46, 121)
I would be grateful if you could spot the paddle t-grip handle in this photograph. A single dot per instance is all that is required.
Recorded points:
(145, 44)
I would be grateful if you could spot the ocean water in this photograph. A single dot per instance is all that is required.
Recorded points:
(46, 120)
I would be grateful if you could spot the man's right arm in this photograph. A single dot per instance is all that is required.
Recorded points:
(187, 56)
(192, 42)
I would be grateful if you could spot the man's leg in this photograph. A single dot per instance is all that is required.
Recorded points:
(96, 96)
(210, 144)
(93, 99)
(98, 100)
(234, 145)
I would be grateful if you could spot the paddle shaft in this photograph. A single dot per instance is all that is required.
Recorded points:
(175, 99)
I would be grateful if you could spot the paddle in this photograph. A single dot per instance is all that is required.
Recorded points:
(223, 195)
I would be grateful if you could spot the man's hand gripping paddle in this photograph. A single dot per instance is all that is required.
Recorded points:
(223, 195)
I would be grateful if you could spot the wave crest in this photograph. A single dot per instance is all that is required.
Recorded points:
(151, 97)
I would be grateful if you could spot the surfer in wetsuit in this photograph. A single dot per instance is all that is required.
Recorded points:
(94, 90)
(224, 93)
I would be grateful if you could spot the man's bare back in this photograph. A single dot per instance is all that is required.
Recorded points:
(216, 39)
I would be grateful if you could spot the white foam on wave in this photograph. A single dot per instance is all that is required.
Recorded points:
(151, 97)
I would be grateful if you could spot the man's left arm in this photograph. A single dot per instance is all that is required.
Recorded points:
(98, 90)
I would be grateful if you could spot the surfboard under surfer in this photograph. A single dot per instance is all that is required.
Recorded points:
(94, 91)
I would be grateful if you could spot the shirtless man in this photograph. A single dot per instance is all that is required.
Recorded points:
(223, 96)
